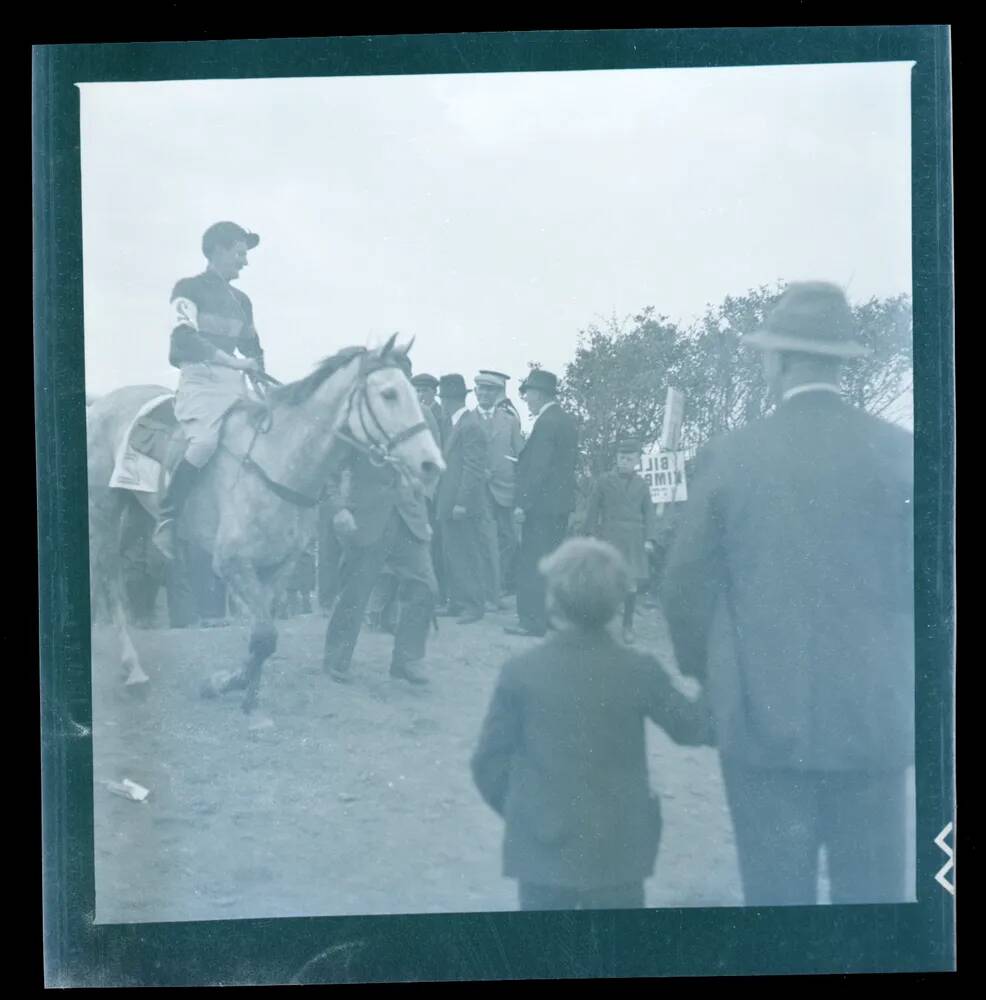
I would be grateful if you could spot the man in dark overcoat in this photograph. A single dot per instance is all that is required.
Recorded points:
(544, 495)
(789, 591)
(460, 501)
(382, 521)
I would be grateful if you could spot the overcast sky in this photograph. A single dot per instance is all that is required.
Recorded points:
(493, 216)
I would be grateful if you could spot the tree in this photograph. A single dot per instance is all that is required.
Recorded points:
(616, 383)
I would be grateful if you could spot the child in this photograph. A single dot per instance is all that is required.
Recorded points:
(619, 511)
(562, 755)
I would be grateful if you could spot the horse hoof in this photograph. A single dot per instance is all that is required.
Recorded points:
(136, 679)
(215, 685)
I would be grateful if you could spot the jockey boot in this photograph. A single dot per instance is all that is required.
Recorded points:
(182, 480)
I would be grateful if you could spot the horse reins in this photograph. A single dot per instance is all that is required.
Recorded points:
(378, 454)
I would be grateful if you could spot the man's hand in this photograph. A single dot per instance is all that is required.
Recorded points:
(344, 524)
(649, 547)
(519, 516)
(458, 512)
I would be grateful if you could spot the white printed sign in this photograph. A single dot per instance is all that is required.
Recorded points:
(674, 412)
(664, 473)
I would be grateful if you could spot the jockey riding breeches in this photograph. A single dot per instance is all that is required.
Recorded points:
(205, 395)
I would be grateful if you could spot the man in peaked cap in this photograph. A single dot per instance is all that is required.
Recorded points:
(544, 495)
(505, 441)
(789, 592)
(213, 343)
(461, 502)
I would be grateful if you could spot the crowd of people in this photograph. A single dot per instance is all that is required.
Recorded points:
(787, 592)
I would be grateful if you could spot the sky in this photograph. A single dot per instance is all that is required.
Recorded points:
(491, 216)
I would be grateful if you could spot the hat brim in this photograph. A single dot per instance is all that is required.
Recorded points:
(768, 340)
(252, 239)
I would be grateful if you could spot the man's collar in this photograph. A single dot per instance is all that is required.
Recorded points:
(811, 387)
(457, 416)
(548, 405)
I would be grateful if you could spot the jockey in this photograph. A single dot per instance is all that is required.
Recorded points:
(211, 321)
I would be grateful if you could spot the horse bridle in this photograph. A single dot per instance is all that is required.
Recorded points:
(379, 453)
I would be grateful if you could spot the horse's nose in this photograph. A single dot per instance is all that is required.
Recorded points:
(430, 471)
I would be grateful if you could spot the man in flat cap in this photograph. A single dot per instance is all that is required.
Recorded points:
(544, 495)
(381, 521)
(789, 592)
(427, 387)
(213, 343)
(461, 501)
(505, 441)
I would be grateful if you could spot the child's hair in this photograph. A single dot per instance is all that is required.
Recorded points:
(588, 580)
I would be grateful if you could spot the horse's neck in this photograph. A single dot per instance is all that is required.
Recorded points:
(302, 444)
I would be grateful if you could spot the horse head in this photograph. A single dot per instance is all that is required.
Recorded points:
(387, 416)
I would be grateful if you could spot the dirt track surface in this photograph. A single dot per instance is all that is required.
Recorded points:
(358, 801)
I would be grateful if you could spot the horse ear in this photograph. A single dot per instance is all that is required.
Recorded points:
(389, 346)
(406, 349)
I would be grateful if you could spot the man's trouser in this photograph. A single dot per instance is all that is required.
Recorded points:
(557, 897)
(491, 551)
(506, 536)
(541, 535)
(409, 558)
(462, 543)
(781, 819)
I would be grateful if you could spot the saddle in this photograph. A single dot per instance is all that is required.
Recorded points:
(151, 449)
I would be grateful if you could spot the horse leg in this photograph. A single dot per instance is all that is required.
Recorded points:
(257, 595)
(129, 660)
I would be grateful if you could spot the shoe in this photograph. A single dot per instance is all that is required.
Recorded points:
(517, 630)
(629, 637)
(340, 676)
(469, 618)
(407, 672)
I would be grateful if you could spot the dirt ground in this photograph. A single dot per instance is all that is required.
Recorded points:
(358, 801)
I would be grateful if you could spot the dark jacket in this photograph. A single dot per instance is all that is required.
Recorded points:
(464, 480)
(210, 315)
(562, 757)
(545, 482)
(790, 587)
(371, 493)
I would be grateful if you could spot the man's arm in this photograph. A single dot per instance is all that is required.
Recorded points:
(539, 453)
(498, 741)
(249, 342)
(687, 722)
(693, 579)
(188, 346)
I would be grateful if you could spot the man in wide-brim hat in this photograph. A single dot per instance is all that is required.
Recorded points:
(789, 592)
(544, 495)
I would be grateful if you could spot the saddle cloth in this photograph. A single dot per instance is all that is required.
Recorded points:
(148, 447)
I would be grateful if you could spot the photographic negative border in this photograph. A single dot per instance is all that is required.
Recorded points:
(587, 944)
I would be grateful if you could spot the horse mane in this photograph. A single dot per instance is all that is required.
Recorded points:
(295, 393)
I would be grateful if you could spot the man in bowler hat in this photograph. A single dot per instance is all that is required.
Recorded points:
(544, 495)
(461, 501)
(788, 591)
